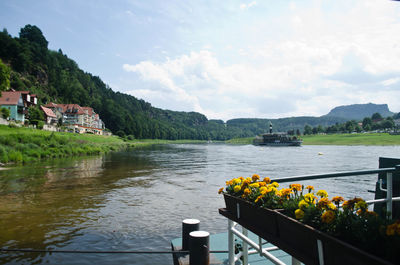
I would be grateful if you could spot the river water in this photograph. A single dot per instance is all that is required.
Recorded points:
(136, 200)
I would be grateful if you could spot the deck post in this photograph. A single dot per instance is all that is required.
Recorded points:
(389, 193)
(231, 243)
(199, 249)
(188, 225)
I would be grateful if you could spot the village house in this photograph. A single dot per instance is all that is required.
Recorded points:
(17, 102)
(78, 119)
(50, 117)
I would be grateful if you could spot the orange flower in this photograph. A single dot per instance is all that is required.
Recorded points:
(246, 191)
(296, 187)
(220, 190)
(310, 188)
(328, 217)
(255, 177)
(267, 180)
(323, 203)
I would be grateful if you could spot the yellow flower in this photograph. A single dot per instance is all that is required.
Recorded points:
(322, 193)
(328, 216)
(237, 181)
(303, 204)
(285, 192)
(299, 213)
(362, 205)
(246, 191)
(309, 198)
(255, 177)
(262, 184)
(228, 183)
(267, 180)
(248, 180)
(323, 203)
(331, 206)
(254, 185)
(310, 188)
(275, 184)
(297, 187)
(220, 190)
(237, 188)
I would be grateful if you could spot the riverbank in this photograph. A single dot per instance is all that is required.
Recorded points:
(339, 139)
(23, 145)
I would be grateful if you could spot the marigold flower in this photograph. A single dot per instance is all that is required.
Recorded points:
(310, 188)
(299, 213)
(237, 188)
(285, 192)
(337, 200)
(262, 184)
(322, 193)
(254, 185)
(297, 187)
(220, 190)
(275, 184)
(267, 180)
(323, 203)
(237, 181)
(328, 217)
(255, 177)
(331, 206)
(246, 191)
(229, 183)
(303, 204)
(362, 205)
(309, 198)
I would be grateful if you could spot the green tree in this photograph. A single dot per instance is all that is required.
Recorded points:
(4, 77)
(376, 116)
(35, 115)
(366, 121)
(307, 130)
(5, 113)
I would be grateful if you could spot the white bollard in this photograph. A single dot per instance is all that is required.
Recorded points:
(188, 225)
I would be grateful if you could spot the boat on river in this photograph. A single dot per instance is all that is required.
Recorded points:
(277, 139)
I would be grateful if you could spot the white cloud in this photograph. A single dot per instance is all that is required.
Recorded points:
(321, 60)
(246, 6)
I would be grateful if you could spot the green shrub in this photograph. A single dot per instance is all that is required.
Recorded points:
(15, 156)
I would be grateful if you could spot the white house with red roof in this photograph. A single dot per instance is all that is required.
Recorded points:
(17, 102)
(78, 119)
(49, 115)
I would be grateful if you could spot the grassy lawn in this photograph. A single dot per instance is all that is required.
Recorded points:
(23, 145)
(339, 139)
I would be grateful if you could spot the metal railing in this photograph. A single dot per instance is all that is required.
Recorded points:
(265, 252)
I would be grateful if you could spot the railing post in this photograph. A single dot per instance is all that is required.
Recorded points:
(231, 243)
(389, 193)
(245, 250)
(199, 248)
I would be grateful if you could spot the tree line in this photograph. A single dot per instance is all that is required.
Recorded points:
(373, 123)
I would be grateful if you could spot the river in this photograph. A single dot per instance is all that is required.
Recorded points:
(136, 200)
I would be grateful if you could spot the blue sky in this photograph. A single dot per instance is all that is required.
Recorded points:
(229, 59)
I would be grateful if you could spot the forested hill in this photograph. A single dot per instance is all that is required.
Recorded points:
(54, 77)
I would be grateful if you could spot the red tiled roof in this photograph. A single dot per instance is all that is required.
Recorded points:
(10, 97)
(48, 112)
(89, 109)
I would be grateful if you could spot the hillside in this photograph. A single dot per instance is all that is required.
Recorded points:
(360, 111)
(54, 77)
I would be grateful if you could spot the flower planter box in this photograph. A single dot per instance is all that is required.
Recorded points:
(294, 237)
(261, 218)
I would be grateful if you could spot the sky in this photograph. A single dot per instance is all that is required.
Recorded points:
(228, 59)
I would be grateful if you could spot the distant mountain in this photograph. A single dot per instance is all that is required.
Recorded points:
(359, 111)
